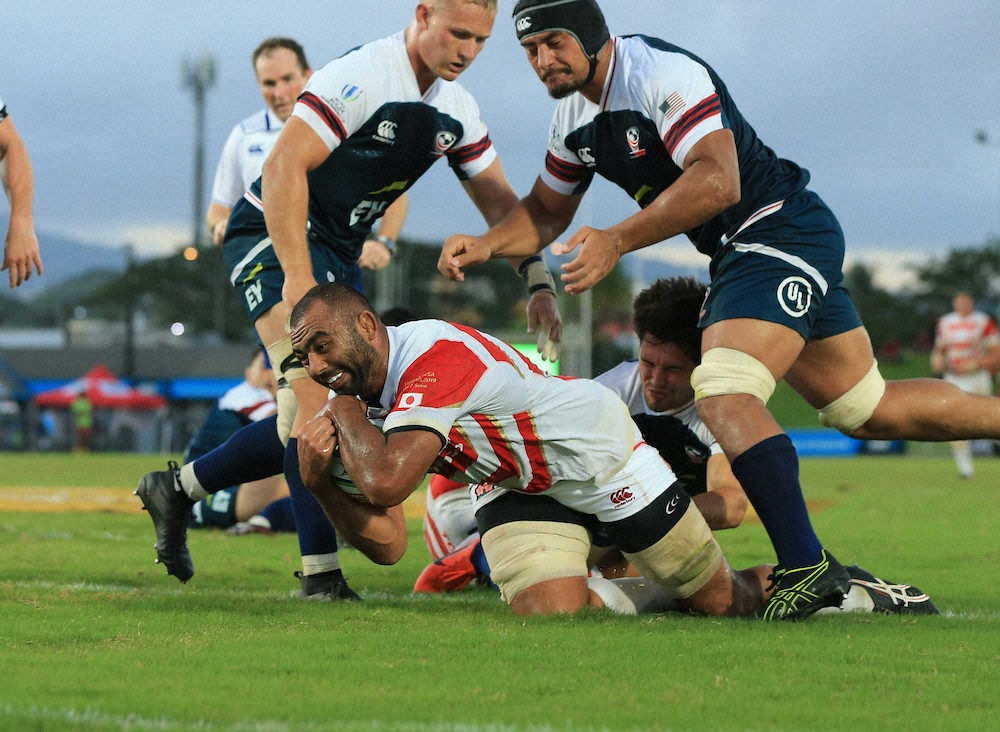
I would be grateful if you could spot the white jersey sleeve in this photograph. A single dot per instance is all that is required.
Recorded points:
(564, 172)
(474, 153)
(228, 185)
(677, 93)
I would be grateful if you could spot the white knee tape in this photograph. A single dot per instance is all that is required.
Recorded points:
(855, 407)
(288, 407)
(728, 371)
(283, 361)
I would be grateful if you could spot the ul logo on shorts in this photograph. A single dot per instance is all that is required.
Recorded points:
(795, 296)
(621, 496)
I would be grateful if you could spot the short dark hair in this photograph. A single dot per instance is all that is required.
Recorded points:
(337, 297)
(668, 310)
(273, 44)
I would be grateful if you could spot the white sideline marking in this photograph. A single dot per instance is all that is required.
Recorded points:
(97, 719)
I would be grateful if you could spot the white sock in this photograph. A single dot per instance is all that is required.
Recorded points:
(317, 563)
(261, 521)
(963, 458)
(613, 597)
(632, 595)
(190, 484)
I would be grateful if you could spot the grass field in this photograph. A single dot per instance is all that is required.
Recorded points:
(94, 636)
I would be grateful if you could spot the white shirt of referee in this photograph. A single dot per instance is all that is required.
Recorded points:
(281, 78)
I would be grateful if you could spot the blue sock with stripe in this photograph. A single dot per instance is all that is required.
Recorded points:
(252, 453)
(769, 474)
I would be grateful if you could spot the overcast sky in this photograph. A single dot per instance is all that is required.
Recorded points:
(880, 100)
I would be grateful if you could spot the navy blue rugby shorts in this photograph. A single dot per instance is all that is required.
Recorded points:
(253, 269)
(786, 268)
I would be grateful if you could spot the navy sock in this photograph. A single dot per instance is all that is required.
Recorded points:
(252, 453)
(316, 534)
(769, 474)
(478, 559)
(280, 514)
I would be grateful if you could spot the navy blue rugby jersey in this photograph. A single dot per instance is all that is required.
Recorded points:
(382, 134)
(658, 101)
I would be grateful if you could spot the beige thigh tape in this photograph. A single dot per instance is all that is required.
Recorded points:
(728, 371)
(523, 553)
(855, 407)
(683, 560)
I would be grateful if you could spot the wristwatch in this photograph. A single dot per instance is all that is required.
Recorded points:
(388, 242)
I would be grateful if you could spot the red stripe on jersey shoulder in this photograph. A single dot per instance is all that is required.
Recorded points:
(321, 108)
(443, 376)
(495, 351)
(706, 108)
(563, 170)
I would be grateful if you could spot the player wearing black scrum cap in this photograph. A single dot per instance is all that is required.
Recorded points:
(658, 122)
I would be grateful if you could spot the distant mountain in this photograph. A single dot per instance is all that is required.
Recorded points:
(64, 259)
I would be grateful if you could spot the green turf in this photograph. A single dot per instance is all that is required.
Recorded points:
(94, 636)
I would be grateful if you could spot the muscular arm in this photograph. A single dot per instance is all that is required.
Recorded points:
(496, 200)
(285, 190)
(21, 244)
(708, 186)
(724, 504)
(385, 468)
(378, 532)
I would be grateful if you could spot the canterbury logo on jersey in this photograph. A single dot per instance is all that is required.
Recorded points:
(621, 496)
(386, 131)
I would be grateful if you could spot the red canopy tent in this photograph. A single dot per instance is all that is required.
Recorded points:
(103, 390)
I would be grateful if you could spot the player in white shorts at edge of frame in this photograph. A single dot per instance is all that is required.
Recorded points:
(657, 390)
(966, 353)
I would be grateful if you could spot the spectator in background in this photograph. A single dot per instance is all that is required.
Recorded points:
(20, 251)
(258, 506)
(83, 422)
(966, 353)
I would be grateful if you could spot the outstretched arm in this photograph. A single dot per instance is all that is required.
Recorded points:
(496, 200)
(708, 186)
(526, 229)
(21, 245)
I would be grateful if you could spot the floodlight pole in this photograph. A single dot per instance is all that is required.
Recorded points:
(199, 76)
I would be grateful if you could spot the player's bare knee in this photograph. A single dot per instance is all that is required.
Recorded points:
(529, 558)
(552, 597)
(853, 410)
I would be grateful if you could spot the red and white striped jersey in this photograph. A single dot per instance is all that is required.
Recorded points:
(965, 337)
(503, 421)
